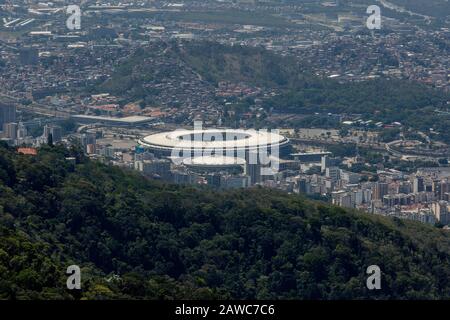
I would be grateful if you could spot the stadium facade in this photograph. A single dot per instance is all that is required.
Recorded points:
(223, 143)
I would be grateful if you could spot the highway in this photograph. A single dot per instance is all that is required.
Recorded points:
(37, 108)
(406, 155)
(330, 142)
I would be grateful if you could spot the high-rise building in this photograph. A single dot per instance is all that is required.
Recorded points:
(444, 188)
(214, 180)
(231, 181)
(56, 134)
(54, 131)
(22, 131)
(10, 130)
(404, 187)
(253, 168)
(357, 197)
(91, 149)
(381, 189)
(88, 138)
(160, 167)
(180, 177)
(350, 177)
(441, 210)
(418, 185)
(367, 195)
(254, 172)
(327, 162)
(301, 183)
(334, 173)
(343, 199)
(7, 114)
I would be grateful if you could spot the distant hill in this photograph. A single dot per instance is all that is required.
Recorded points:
(135, 239)
(299, 91)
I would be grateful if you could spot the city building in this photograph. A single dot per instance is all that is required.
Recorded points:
(10, 130)
(131, 121)
(54, 131)
(7, 113)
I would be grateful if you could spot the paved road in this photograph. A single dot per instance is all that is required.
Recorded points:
(406, 155)
(38, 108)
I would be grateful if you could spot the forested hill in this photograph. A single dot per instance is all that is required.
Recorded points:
(134, 238)
(303, 92)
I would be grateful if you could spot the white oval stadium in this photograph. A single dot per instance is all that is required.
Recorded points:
(227, 142)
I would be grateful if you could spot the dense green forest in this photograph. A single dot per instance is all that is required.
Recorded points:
(134, 238)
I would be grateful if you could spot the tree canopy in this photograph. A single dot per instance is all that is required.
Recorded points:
(138, 239)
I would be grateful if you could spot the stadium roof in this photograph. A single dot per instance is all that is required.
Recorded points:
(110, 120)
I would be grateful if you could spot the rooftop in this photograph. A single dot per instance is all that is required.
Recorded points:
(129, 120)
